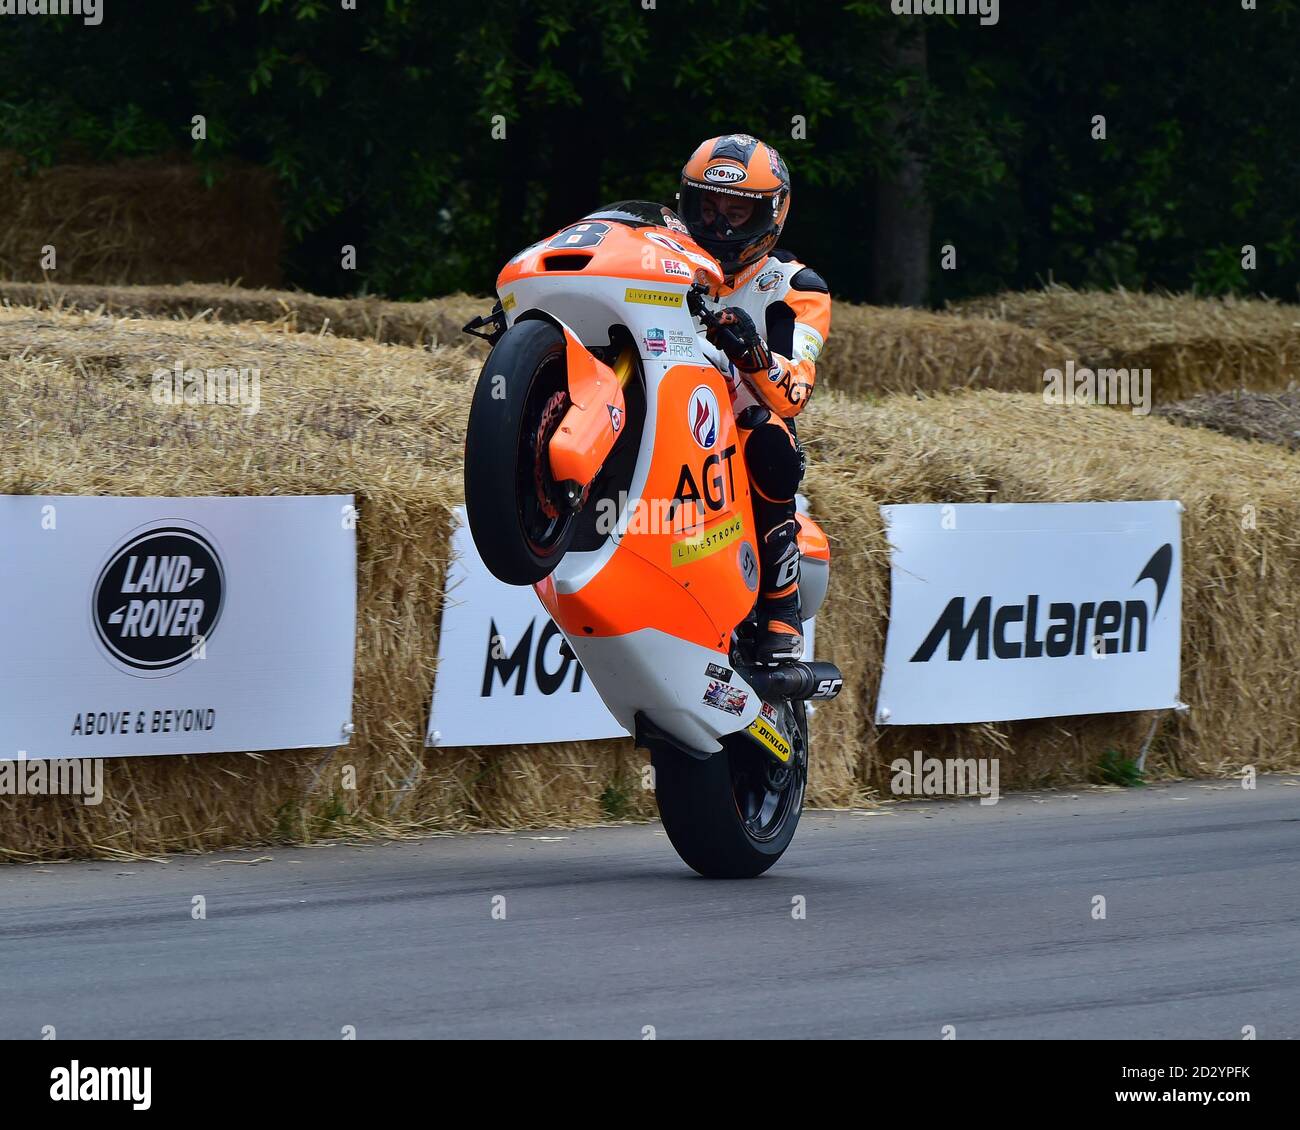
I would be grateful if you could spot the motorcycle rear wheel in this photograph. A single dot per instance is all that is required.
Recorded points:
(724, 815)
(520, 525)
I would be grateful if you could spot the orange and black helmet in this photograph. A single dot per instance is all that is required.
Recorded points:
(734, 197)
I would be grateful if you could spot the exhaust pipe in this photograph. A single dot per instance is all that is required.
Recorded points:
(797, 680)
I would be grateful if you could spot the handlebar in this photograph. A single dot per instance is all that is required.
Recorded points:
(725, 338)
(695, 303)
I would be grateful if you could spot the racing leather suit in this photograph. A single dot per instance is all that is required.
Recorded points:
(790, 305)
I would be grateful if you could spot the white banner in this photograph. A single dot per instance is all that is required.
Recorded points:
(1029, 610)
(501, 678)
(132, 626)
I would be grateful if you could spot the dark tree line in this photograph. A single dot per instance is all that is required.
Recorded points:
(439, 136)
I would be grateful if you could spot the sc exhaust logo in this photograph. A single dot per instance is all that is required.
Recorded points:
(158, 598)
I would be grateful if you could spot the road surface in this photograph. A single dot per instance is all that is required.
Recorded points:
(916, 917)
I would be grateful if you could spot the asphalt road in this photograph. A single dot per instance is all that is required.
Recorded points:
(917, 917)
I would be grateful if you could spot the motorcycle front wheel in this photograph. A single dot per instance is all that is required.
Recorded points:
(732, 815)
(520, 524)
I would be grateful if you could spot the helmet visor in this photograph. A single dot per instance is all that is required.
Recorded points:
(724, 218)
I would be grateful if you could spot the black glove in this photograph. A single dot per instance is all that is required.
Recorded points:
(733, 331)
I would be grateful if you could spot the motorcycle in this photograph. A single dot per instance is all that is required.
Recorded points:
(604, 467)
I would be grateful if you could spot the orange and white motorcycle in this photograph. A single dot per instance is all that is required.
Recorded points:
(604, 467)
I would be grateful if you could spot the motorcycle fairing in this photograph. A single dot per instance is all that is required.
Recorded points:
(651, 611)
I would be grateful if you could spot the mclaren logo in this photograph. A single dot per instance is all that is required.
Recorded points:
(1010, 631)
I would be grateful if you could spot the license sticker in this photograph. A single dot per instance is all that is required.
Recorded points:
(723, 696)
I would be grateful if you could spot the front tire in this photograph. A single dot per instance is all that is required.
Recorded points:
(520, 524)
(724, 815)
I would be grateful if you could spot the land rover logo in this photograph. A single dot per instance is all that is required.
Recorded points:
(158, 598)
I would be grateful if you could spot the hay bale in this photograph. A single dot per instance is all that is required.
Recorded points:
(1192, 345)
(877, 351)
(871, 351)
(1269, 418)
(432, 323)
(140, 221)
(76, 417)
(387, 422)
(1241, 576)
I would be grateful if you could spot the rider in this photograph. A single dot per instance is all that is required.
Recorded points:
(734, 198)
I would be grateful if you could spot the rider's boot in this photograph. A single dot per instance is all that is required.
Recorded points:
(780, 627)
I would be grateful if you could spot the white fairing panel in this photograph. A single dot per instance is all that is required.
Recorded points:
(660, 323)
(670, 681)
(814, 578)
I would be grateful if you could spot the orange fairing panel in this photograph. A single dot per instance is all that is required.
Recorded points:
(594, 419)
(686, 563)
(813, 541)
(618, 601)
(594, 248)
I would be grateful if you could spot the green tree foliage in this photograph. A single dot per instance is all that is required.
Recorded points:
(383, 125)
(1202, 152)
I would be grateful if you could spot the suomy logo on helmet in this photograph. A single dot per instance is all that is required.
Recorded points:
(724, 174)
(1102, 627)
(702, 415)
(158, 598)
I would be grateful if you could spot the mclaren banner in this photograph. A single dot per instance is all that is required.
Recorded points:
(1028, 610)
(175, 625)
(504, 677)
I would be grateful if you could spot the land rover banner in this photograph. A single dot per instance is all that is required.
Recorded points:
(502, 677)
(1028, 610)
(136, 626)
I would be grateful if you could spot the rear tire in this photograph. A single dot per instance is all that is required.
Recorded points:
(504, 486)
(713, 810)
